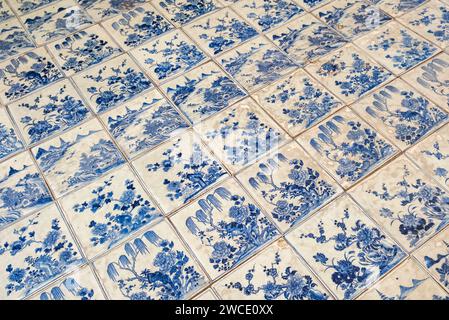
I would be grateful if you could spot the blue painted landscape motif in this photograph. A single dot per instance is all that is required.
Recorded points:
(9, 141)
(100, 9)
(14, 40)
(440, 263)
(436, 153)
(68, 286)
(25, 6)
(404, 291)
(184, 11)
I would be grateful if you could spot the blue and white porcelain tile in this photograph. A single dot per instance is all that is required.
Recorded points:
(397, 8)
(396, 47)
(105, 9)
(241, 134)
(224, 227)
(77, 157)
(407, 282)
(256, 63)
(310, 5)
(169, 55)
(22, 189)
(49, 112)
(203, 91)
(289, 185)
(10, 142)
(405, 202)
(333, 243)
(134, 27)
(5, 11)
(349, 73)
(83, 49)
(297, 102)
(154, 255)
(179, 170)
(181, 12)
(56, 20)
(13, 39)
(26, 73)
(26, 6)
(347, 147)
(220, 31)
(106, 212)
(143, 123)
(276, 273)
(34, 252)
(112, 83)
(400, 113)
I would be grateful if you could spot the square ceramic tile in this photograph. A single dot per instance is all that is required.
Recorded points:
(352, 18)
(83, 49)
(305, 39)
(26, 73)
(289, 185)
(77, 157)
(432, 79)
(224, 227)
(137, 26)
(297, 102)
(220, 31)
(347, 147)
(13, 39)
(169, 55)
(272, 275)
(396, 47)
(206, 295)
(104, 9)
(49, 112)
(34, 252)
(432, 155)
(179, 170)
(268, 14)
(203, 92)
(256, 63)
(349, 73)
(310, 5)
(10, 142)
(25, 6)
(181, 12)
(109, 210)
(22, 189)
(397, 8)
(400, 113)
(241, 134)
(157, 253)
(144, 123)
(405, 202)
(407, 282)
(56, 20)
(112, 83)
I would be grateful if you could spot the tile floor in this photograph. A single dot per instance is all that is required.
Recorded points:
(224, 149)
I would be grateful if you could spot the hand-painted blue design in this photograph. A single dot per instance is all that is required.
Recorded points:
(13, 41)
(25, 6)
(431, 77)
(111, 8)
(72, 287)
(440, 156)
(184, 11)
(5, 12)
(440, 263)
(9, 142)
(441, 29)
(404, 291)
(289, 284)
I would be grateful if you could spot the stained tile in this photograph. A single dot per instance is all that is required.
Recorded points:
(34, 252)
(241, 134)
(55, 21)
(349, 73)
(112, 83)
(181, 12)
(26, 73)
(397, 8)
(256, 64)
(407, 282)
(297, 102)
(396, 47)
(48, 112)
(104, 9)
(274, 274)
(10, 142)
(345, 248)
(5, 11)
(104, 213)
(289, 185)
(203, 92)
(144, 123)
(13, 39)
(157, 252)
(169, 55)
(224, 227)
(77, 157)
(347, 147)
(22, 189)
(134, 27)
(179, 170)
(405, 202)
(400, 113)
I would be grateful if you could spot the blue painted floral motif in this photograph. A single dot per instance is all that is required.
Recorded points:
(101, 9)
(5, 12)
(367, 253)
(437, 154)
(426, 207)
(9, 142)
(412, 119)
(398, 7)
(437, 21)
(311, 3)
(244, 229)
(441, 264)
(169, 276)
(184, 11)
(73, 287)
(288, 284)
(13, 40)
(25, 6)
